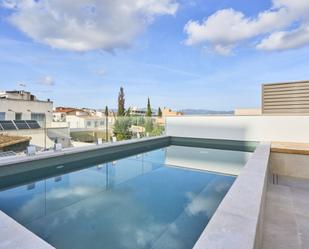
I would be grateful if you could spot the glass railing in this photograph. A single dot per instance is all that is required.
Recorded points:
(120, 128)
(124, 128)
(111, 130)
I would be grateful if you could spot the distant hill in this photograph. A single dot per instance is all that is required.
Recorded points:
(205, 112)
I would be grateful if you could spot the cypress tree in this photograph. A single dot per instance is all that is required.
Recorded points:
(121, 101)
(106, 111)
(159, 112)
(148, 112)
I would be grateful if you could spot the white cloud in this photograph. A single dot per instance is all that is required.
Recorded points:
(83, 25)
(283, 26)
(47, 81)
(285, 39)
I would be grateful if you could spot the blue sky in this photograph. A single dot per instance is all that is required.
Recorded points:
(207, 54)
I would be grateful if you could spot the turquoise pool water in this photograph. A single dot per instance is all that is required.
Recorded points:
(136, 202)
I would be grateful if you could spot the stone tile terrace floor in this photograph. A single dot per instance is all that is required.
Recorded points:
(286, 220)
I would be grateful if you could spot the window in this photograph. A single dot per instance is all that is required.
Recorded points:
(95, 123)
(39, 117)
(2, 115)
(88, 123)
(18, 116)
(101, 123)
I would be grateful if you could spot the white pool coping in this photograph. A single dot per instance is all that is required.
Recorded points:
(15, 236)
(236, 224)
(72, 150)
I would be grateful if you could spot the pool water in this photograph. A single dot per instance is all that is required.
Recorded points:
(136, 202)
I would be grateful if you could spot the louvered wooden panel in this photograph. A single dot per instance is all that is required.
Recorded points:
(286, 98)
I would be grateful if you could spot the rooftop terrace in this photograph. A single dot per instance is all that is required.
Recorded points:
(265, 207)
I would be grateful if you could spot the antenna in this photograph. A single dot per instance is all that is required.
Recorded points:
(22, 85)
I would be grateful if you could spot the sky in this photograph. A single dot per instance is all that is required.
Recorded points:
(199, 54)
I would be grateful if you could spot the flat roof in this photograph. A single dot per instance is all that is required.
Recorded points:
(25, 100)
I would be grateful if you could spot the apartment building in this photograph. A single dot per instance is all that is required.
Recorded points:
(20, 109)
(80, 118)
(85, 122)
(22, 105)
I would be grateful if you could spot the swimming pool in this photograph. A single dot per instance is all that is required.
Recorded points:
(159, 199)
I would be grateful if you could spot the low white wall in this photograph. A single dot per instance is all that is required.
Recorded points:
(246, 128)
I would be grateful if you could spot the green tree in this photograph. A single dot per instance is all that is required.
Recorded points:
(121, 102)
(122, 128)
(159, 112)
(128, 112)
(157, 130)
(148, 125)
(148, 112)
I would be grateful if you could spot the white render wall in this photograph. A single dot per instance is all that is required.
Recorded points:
(82, 122)
(26, 108)
(246, 128)
(75, 121)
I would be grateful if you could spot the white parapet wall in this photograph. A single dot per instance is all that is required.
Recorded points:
(245, 128)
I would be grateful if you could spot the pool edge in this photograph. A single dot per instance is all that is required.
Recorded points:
(15, 236)
(237, 222)
(18, 161)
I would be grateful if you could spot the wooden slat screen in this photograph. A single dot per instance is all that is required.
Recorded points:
(286, 98)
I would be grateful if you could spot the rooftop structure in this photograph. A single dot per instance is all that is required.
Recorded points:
(65, 109)
(13, 143)
(17, 94)
(288, 98)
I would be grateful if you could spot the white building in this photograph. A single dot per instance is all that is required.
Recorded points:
(85, 122)
(85, 125)
(81, 118)
(135, 111)
(59, 116)
(22, 105)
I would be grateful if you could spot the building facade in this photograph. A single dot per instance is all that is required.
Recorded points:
(22, 105)
(85, 122)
